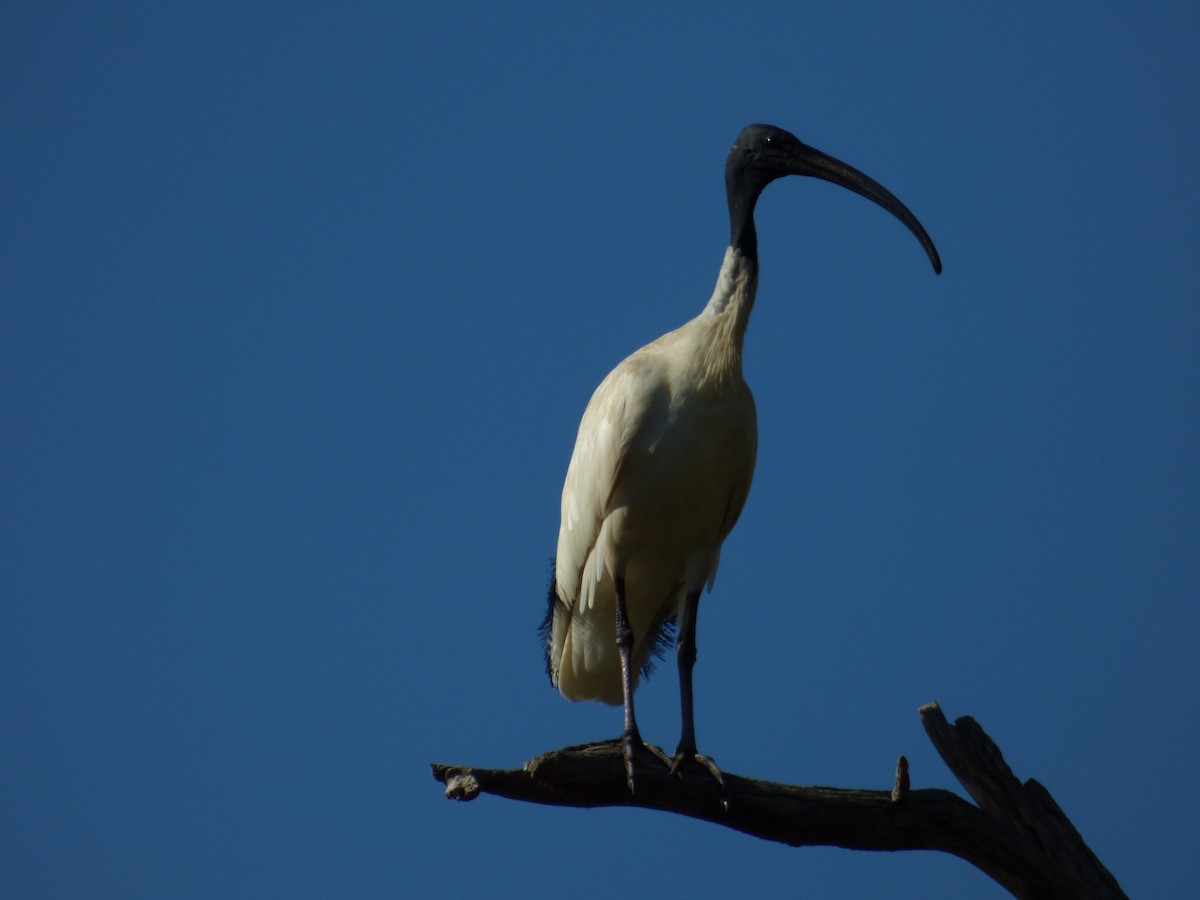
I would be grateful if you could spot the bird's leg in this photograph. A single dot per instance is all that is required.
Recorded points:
(685, 652)
(631, 740)
(685, 655)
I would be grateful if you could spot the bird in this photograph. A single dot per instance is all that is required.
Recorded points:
(661, 469)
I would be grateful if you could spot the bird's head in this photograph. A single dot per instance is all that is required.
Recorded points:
(763, 153)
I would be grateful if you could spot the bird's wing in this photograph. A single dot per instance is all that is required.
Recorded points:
(619, 413)
(744, 474)
(737, 496)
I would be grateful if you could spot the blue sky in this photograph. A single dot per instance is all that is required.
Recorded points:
(300, 308)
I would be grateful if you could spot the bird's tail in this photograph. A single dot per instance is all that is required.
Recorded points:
(582, 659)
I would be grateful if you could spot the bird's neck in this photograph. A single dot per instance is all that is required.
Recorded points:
(742, 190)
(728, 311)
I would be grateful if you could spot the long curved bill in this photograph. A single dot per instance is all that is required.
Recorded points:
(812, 162)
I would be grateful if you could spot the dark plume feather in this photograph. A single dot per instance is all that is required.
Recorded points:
(544, 629)
(660, 637)
(658, 640)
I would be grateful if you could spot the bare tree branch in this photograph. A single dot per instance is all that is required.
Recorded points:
(1017, 834)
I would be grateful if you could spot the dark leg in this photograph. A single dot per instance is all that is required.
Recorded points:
(631, 741)
(685, 652)
(629, 736)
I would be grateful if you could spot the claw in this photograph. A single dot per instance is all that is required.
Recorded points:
(685, 756)
(632, 745)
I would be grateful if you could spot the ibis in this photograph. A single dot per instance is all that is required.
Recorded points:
(662, 466)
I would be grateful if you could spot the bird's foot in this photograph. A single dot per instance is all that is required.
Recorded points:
(634, 748)
(685, 755)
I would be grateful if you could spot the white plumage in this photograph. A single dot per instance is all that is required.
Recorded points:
(660, 472)
(663, 462)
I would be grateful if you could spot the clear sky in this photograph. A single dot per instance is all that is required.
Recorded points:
(300, 306)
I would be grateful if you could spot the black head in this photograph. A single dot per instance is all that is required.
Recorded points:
(763, 153)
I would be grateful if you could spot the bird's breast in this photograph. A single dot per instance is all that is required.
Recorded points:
(684, 481)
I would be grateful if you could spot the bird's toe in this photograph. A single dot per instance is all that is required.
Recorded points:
(685, 756)
(638, 754)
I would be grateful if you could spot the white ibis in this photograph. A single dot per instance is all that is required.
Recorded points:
(662, 466)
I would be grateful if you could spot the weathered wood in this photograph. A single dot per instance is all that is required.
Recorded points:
(1017, 834)
(1056, 847)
